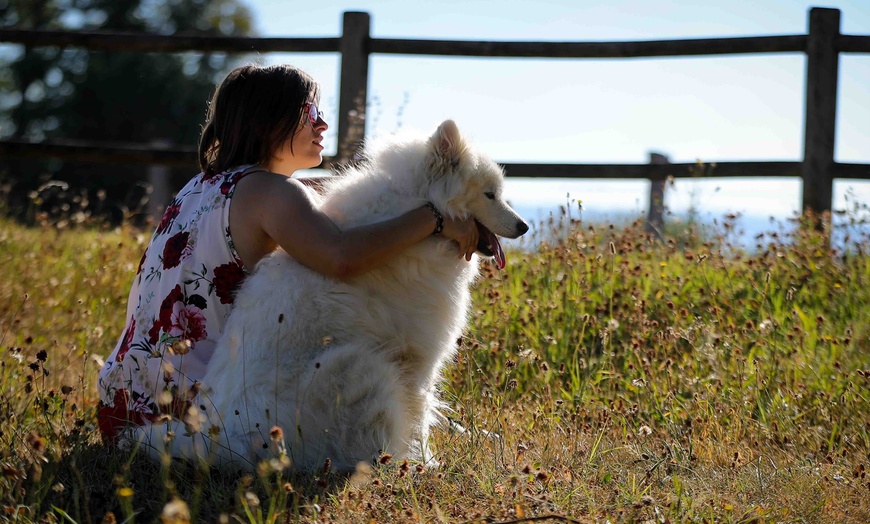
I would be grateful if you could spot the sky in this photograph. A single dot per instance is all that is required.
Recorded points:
(740, 107)
(717, 108)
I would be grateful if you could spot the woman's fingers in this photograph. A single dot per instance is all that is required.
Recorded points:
(464, 232)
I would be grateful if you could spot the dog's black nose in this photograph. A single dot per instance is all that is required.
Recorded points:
(522, 227)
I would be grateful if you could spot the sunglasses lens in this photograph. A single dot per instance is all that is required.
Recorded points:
(312, 113)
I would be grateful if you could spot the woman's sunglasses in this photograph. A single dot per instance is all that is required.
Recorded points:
(313, 113)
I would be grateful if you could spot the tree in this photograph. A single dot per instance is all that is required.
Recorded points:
(108, 96)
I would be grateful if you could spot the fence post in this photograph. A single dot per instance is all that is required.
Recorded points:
(817, 169)
(158, 179)
(655, 222)
(354, 49)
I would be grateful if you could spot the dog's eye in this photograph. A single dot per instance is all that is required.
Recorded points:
(490, 195)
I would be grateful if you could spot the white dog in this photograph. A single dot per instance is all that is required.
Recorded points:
(348, 370)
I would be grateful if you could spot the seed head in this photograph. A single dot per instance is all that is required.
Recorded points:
(36, 442)
(180, 347)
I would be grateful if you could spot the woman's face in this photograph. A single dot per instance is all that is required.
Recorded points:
(307, 146)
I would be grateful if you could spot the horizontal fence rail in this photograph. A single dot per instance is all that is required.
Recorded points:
(121, 41)
(822, 45)
(640, 49)
(117, 41)
(124, 153)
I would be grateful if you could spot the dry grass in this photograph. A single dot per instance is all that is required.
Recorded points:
(604, 376)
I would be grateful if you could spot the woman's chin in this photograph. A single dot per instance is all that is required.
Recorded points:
(316, 161)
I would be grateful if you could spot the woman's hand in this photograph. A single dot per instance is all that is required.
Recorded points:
(464, 232)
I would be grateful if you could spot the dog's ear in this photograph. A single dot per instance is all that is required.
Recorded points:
(447, 143)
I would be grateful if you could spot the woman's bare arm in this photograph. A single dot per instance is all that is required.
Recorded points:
(273, 209)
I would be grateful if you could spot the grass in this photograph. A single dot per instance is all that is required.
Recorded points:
(604, 376)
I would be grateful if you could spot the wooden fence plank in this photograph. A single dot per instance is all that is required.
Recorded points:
(853, 44)
(655, 220)
(820, 118)
(120, 41)
(655, 171)
(658, 48)
(116, 41)
(354, 49)
(173, 155)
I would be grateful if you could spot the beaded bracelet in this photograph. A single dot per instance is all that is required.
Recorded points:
(439, 219)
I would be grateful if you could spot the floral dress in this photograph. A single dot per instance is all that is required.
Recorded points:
(177, 308)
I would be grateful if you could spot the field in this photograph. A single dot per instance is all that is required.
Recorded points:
(604, 376)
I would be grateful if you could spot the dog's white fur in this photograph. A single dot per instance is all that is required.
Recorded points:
(348, 370)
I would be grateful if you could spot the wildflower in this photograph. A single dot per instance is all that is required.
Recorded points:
(385, 458)
(644, 431)
(276, 434)
(175, 512)
(180, 347)
(36, 442)
(192, 421)
(361, 475)
(125, 493)
(42, 355)
(252, 500)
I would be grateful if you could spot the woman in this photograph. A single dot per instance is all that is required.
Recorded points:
(262, 126)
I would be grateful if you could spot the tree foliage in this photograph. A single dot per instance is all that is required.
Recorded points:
(47, 92)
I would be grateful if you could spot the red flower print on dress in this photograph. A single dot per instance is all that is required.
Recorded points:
(128, 339)
(227, 278)
(141, 262)
(170, 214)
(173, 249)
(113, 419)
(165, 315)
(187, 322)
(179, 319)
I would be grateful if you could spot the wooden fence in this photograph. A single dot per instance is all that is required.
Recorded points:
(822, 46)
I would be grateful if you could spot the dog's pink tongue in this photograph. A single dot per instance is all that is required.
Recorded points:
(497, 250)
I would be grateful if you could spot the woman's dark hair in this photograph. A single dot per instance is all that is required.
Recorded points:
(252, 112)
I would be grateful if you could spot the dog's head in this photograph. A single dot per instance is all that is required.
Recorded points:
(466, 183)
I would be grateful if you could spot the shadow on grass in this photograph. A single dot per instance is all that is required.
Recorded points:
(95, 480)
